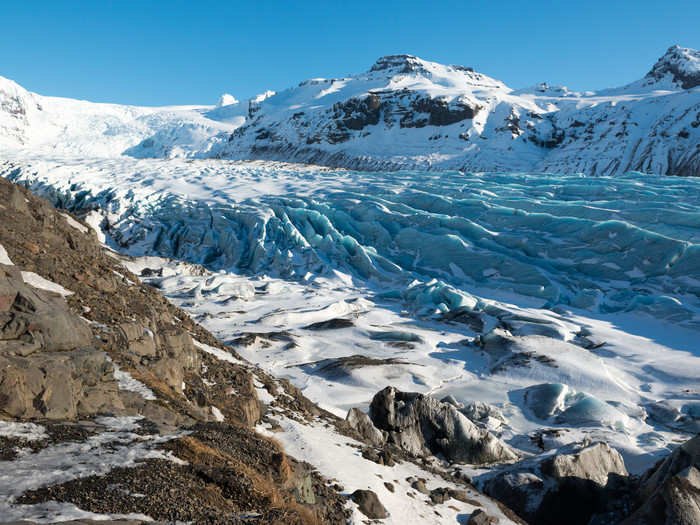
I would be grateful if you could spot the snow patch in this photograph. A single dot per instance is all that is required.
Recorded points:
(4, 258)
(37, 281)
(25, 431)
(128, 383)
(75, 224)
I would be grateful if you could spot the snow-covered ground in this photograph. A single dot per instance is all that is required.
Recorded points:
(570, 303)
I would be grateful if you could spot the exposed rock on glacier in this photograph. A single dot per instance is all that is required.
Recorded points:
(568, 487)
(670, 491)
(361, 422)
(423, 425)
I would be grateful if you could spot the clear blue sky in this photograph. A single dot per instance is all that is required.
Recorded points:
(156, 53)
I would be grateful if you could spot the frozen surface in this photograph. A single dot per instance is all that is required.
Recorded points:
(75, 224)
(26, 431)
(126, 382)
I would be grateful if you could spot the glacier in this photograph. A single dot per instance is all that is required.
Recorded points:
(595, 243)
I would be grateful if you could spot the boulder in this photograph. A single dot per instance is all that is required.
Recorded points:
(33, 319)
(422, 425)
(569, 487)
(361, 422)
(369, 504)
(669, 493)
(58, 385)
(479, 517)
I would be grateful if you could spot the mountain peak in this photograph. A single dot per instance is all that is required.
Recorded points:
(402, 63)
(682, 63)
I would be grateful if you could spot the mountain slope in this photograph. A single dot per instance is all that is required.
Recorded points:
(70, 127)
(408, 113)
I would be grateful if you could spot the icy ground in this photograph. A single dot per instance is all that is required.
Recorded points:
(570, 303)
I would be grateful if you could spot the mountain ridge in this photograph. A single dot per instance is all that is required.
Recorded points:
(402, 113)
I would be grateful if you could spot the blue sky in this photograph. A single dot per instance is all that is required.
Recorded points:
(176, 52)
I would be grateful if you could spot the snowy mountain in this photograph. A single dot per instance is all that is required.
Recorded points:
(70, 127)
(404, 113)
(409, 113)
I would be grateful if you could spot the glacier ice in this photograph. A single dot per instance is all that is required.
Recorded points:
(430, 240)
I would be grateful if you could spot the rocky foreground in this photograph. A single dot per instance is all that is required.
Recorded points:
(115, 405)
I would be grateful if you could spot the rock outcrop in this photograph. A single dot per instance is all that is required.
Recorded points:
(669, 493)
(422, 425)
(568, 487)
(361, 422)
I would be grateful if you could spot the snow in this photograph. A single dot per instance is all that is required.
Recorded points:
(37, 281)
(218, 353)
(217, 414)
(26, 431)
(226, 100)
(4, 258)
(337, 457)
(94, 220)
(75, 224)
(117, 446)
(128, 383)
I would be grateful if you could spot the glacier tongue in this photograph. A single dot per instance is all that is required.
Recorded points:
(431, 239)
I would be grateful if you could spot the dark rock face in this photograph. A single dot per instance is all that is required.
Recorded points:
(570, 487)
(369, 504)
(442, 113)
(357, 113)
(670, 491)
(673, 63)
(399, 63)
(331, 324)
(422, 425)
